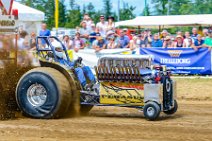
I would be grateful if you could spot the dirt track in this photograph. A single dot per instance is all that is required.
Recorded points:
(193, 121)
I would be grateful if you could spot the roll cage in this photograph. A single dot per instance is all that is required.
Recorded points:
(47, 50)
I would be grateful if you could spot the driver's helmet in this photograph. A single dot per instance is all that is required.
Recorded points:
(58, 49)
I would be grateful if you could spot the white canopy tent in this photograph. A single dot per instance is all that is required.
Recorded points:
(29, 19)
(168, 21)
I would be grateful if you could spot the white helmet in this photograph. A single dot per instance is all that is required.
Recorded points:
(57, 46)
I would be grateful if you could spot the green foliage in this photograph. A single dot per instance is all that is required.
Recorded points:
(160, 7)
(107, 8)
(146, 11)
(72, 17)
(126, 13)
(182, 7)
(62, 13)
(179, 7)
(48, 7)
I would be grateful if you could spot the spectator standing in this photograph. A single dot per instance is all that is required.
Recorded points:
(199, 42)
(191, 44)
(111, 42)
(111, 24)
(77, 29)
(78, 43)
(180, 33)
(88, 21)
(164, 34)
(102, 25)
(179, 41)
(127, 33)
(205, 33)
(194, 33)
(145, 39)
(156, 42)
(23, 43)
(110, 34)
(167, 42)
(123, 41)
(94, 34)
(133, 43)
(32, 41)
(67, 42)
(44, 32)
(99, 44)
(186, 42)
(208, 41)
(84, 32)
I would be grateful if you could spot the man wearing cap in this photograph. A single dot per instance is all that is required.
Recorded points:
(167, 42)
(208, 40)
(94, 34)
(84, 31)
(156, 42)
(124, 40)
(199, 41)
(102, 25)
(99, 44)
(194, 33)
(81, 72)
(164, 34)
(88, 21)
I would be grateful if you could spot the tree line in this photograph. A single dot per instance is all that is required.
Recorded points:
(71, 15)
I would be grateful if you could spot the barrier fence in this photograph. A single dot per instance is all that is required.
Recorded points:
(178, 60)
(182, 60)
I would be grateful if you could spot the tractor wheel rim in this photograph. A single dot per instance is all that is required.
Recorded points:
(168, 86)
(36, 95)
(150, 111)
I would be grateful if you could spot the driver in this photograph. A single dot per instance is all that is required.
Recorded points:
(81, 72)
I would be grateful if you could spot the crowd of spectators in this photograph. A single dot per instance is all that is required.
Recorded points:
(104, 35)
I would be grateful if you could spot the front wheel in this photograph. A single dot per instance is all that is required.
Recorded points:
(151, 110)
(173, 110)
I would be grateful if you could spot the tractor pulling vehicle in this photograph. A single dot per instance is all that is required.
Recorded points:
(53, 91)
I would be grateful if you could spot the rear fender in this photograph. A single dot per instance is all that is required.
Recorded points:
(67, 73)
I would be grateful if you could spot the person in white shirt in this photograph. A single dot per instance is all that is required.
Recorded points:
(111, 43)
(88, 21)
(133, 43)
(111, 24)
(67, 42)
(186, 41)
(102, 25)
(78, 43)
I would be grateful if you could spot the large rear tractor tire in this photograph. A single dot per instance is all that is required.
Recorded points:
(43, 93)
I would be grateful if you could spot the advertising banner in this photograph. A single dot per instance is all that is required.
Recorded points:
(181, 60)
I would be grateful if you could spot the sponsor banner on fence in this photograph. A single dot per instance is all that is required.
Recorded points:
(181, 60)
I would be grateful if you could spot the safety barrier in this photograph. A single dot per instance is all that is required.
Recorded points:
(182, 60)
